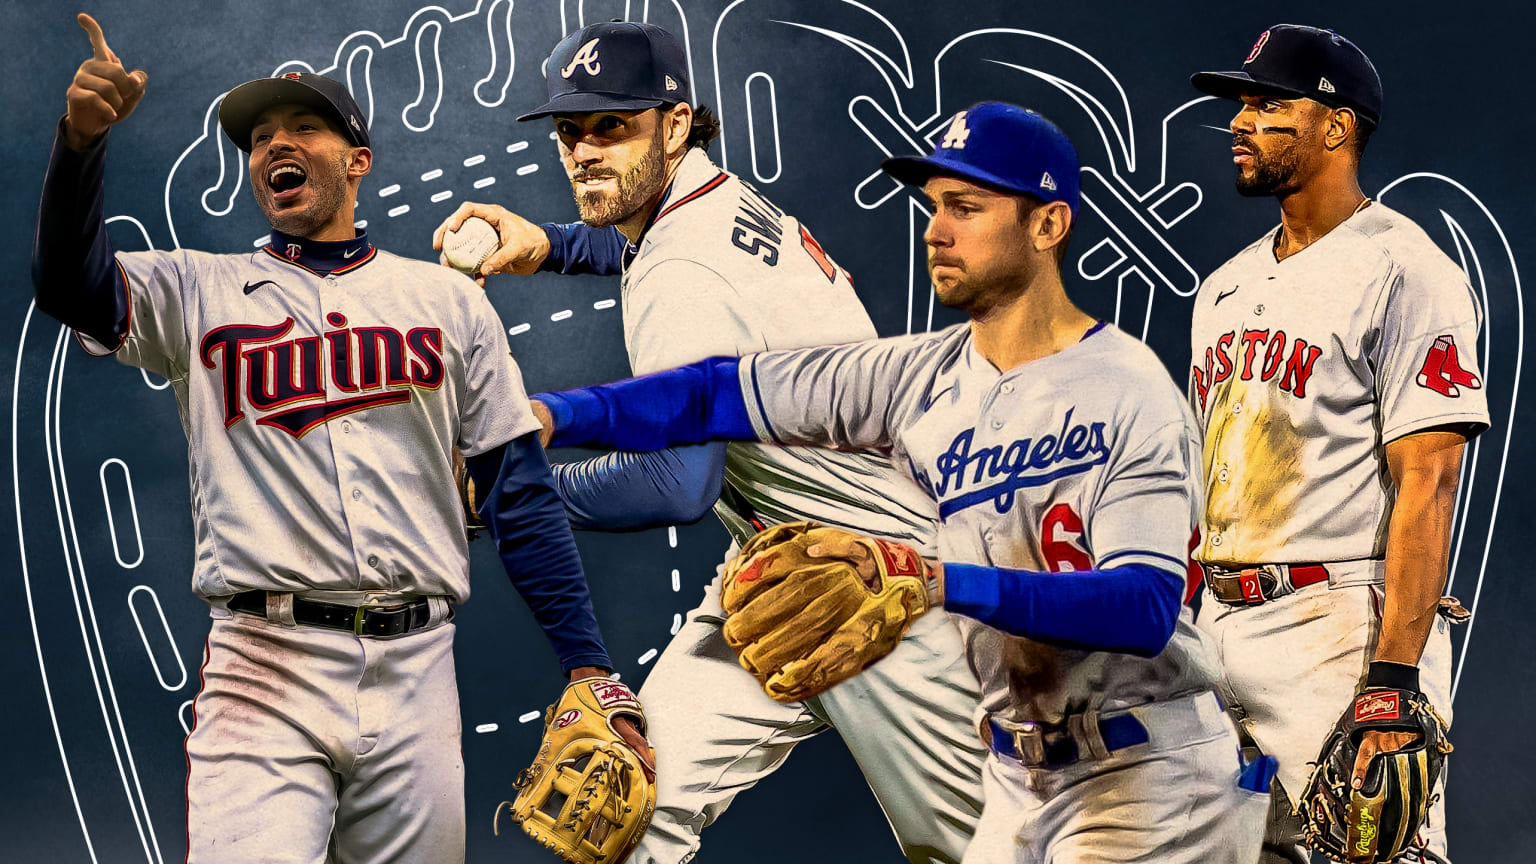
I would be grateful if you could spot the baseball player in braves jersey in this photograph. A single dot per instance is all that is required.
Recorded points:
(1063, 464)
(1335, 375)
(322, 384)
(711, 267)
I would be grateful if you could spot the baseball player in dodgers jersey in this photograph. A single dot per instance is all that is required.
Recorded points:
(1062, 461)
(321, 383)
(1335, 377)
(711, 267)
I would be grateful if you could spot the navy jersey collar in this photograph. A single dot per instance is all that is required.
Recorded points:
(321, 256)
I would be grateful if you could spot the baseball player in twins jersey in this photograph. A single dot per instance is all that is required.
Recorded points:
(321, 383)
(712, 267)
(1336, 381)
(1064, 468)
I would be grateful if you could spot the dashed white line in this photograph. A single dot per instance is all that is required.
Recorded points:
(561, 315)
(604, 304)
(526, 170)
(647, 657)
(521, 328)
(262, 241)
(432, 175)
(529, 717)
(487, 727)
(672, 536)
(517, 146)
(554, 136)
(389, 190)
(677, 584)
(362, 224)
(474, 160)
(484, 182)
(677, 622)
(399, 211)
(442, 196)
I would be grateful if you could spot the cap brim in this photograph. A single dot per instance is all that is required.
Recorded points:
(917, 170)
(1230, 85)
(242, 106)
(585, 102)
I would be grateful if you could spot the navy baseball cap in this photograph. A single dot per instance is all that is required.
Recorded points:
(243, 105)
(1296, 61)
(614, 66)
(1002, 146)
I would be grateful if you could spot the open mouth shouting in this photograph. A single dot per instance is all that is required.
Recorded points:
(286, 179)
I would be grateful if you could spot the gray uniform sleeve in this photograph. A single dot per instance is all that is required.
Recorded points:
(842, 396)
(1147, 504)
(493, 407)
(157, 338)
(1427, 370)
(679, 312)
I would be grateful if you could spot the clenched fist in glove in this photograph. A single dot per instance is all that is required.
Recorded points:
(808, 607)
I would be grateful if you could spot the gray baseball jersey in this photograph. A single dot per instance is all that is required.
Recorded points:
(1304, 368)
(1083, 459)
(722, 271)
(320, 412)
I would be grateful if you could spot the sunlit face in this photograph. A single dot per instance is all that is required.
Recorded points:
(979, 249)
(615, 160)
(1274, 141)
(299, 162)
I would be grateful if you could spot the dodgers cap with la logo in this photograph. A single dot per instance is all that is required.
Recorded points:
(1001, 146)
(1295, 61)
(614, 66)
(242, 106)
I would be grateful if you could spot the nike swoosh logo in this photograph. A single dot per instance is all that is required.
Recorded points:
(353, 252)
(249, 287)
(1224, 295)
(929, 402)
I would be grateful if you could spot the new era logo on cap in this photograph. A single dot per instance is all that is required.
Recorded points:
(1047, 183)
(671, 83)
(1325, 85)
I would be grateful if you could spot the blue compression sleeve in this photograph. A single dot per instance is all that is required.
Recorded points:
(625, 491)
(527, 523)
(687, 405)
(1127, 610)
(577, 248)
(75, 278)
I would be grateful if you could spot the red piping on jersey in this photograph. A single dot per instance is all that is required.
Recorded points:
(699, 192)
(372, 251)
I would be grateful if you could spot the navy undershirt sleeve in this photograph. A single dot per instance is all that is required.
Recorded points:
(1126, 610)
(688, 405)
(577, 248)
(75, 278)
(624, 491)
(527, 523)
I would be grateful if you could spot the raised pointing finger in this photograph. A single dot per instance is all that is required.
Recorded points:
(98, 41)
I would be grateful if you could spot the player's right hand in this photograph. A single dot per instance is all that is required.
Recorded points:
(546, 421)
(102, 92)
(524, 245)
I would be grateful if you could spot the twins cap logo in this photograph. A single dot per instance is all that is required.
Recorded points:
(671, 83)
(586, 58)
(956, 135)
(1047, 182)
(1325, 85)
(1442, 370)
(1257, 47)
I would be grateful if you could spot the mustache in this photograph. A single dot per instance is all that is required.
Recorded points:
(594, 174)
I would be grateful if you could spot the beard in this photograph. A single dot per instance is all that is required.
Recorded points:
(642, 182)
(977, 293)
(327, 188)
(1274, 173)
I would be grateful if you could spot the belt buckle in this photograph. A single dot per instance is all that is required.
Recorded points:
(1029, 743)
(357, 620)
(1248, 580)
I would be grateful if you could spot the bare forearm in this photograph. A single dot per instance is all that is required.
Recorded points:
(1418, 552)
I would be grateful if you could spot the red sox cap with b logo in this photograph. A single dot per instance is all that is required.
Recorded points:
(614, 66)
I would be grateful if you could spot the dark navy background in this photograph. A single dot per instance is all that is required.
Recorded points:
(98, 679)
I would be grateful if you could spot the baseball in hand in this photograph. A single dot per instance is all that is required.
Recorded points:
(467, 248)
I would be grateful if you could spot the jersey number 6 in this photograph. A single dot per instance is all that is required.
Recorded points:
(1063, 554)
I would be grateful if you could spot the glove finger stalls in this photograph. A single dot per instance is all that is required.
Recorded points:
(792, 600)
(802, 632)
(758, 574)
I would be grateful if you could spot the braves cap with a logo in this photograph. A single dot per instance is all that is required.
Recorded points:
(1001, 146)
(614, 66)
(1296, 61)
(243, 105)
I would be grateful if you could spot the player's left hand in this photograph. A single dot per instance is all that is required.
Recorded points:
(546, 422)
(623, 724)
(1374, 743)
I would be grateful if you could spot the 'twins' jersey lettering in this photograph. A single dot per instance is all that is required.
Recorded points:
(285, 379)
(1238, 349)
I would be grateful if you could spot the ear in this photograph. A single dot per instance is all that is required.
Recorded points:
(359, 163)
(1050, 224)
(678, 121)
(1338, 126)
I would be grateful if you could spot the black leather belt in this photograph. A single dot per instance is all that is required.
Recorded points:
(361, 620)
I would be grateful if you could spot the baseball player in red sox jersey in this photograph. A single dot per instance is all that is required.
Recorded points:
(1064, 466)
(1335, 377)
(322, 384)
(710, 266)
